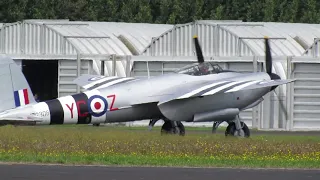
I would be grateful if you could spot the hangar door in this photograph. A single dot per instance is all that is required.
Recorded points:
(305, 96)
(42, 76)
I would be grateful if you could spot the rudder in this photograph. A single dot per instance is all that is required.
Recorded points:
(14, 88)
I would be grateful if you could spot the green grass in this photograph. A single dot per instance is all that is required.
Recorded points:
(137, 146)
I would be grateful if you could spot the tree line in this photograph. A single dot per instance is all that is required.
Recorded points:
(162, 11)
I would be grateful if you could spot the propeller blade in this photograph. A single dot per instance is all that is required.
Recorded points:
(268, 56)
(198, 50)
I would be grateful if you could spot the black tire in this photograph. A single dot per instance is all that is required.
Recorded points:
(232, 128)
(168, 128)
(182, 130)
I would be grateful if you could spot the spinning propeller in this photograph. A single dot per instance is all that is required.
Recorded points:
(198, 50)
(273, 76)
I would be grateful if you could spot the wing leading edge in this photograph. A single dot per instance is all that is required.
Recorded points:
(212, 88)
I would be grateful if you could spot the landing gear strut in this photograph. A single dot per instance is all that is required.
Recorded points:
(215, 126)
(152, 123)
(237, 128)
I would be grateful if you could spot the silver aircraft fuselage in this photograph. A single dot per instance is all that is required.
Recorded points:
(138, 100)
(150, 91)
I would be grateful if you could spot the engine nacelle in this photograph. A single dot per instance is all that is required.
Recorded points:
(219, 115)
(253, 104)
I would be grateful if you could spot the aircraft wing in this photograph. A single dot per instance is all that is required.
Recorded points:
(90, 82)
(214, 87)
(265, 83)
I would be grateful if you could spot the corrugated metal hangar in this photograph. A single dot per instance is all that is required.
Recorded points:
(54, 52)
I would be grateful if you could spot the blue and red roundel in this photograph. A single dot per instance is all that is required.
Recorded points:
(97, 105)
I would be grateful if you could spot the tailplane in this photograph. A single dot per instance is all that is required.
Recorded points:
(14, 88)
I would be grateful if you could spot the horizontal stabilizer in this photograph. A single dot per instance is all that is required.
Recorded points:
(90, 82)
(20, 115)
(20, 119)
(20, 122)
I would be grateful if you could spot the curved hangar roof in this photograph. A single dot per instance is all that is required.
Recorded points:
(235, 38)
(65, 39)
(96, 40)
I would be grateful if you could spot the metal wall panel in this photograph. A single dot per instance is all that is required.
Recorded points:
(305, 100)
(67, 72)
(215, 40)
(33, 39)
(10, 38)
(179, 41)
(314, 49)
(230, 39)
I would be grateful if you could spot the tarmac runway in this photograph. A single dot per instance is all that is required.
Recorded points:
(54, 172)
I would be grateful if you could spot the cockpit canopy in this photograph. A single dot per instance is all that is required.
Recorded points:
(200, 69)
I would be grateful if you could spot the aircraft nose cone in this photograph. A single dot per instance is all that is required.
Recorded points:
(274, 77)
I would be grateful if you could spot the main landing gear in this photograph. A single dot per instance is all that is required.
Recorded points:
(173, 127)
(169, 127)
(237, 128)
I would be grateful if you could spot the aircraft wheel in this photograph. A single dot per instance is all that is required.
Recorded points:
(169, 128)
(232, 130)
(182, 130)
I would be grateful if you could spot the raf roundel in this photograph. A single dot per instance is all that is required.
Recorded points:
(97, 105)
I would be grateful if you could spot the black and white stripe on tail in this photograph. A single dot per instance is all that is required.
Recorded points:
(82, 108)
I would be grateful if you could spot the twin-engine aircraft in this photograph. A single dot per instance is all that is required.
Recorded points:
(200, 92)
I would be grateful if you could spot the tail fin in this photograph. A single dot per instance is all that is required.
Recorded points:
(14, 88)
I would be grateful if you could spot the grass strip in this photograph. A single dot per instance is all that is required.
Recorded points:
(109, 146)
(134, 160)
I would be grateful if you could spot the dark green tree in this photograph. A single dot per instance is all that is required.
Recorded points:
(310, 12)
(269, 10)
(255, 11)
(40, 9)
(12, 10)
(162, 11)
